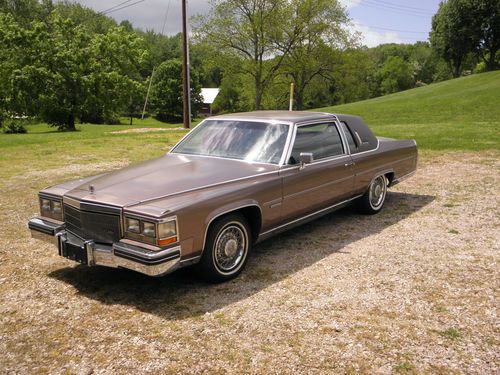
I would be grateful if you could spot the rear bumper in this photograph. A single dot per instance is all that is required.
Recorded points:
(152, 262)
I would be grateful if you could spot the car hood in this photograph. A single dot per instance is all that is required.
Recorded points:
(165, 176)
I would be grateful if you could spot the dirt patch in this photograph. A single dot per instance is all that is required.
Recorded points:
(145, 130)
(413, 289)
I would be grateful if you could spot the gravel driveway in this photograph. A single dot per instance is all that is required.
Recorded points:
(413, 289)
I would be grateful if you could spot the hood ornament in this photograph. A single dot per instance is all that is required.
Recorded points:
(91, 189)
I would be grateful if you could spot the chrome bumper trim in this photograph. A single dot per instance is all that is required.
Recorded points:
(45, 230)
(118, 255)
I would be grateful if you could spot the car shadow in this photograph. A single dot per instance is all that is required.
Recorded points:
(182, 294)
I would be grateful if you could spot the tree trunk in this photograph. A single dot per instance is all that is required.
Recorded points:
(491, 65)
(299, 100)
(131, 120)
(258, 93)
(456, 67)
(71, 122)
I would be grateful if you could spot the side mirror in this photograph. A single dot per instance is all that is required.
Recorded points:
(305, 158)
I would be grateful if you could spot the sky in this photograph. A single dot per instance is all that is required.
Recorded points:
(379, 21)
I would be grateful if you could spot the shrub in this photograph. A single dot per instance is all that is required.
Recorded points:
(13, 126)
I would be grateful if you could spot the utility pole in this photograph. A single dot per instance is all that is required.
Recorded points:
(185, 69)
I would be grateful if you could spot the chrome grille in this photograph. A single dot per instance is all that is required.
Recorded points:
(100, 227)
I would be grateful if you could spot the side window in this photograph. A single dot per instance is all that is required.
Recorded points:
(350, 139)
(323, 140)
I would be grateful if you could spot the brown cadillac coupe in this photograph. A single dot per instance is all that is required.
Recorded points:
(231, 182)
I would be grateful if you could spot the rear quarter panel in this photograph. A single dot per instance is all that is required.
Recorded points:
(398, 157)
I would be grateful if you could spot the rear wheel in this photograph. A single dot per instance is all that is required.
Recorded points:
(373, 200)
(226, 249)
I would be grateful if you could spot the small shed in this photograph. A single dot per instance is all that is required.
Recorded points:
(208, 96)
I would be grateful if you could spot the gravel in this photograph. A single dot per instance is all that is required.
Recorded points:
(413, 289)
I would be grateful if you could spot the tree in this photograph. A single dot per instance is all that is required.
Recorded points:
(166, 91)
(61, 71)
(114, 74)
(322, 28)
(260, 32)
(354, 77)
(486, 15)
(462, 27)
(230, 98)
(395, 75)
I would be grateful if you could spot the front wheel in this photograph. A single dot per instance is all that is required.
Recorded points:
(373, 200)
(226, 249)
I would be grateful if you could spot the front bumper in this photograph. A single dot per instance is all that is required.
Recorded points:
(123, 254)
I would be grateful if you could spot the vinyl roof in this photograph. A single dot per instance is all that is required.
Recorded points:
(285, 116)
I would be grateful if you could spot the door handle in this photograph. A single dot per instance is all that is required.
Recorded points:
(348, 164)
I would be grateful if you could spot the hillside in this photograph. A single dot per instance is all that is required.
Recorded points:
(462, 113)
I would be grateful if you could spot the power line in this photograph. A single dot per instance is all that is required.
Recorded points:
(165, 18)
(401, 6)
(396, 30)
(153, 72)
(114, 9)
(393, 9)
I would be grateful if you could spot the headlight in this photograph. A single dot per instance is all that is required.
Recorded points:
(149, 229)
(56, 207)
(133, 225)
(45, 205)
(51, 208)
(160, 234)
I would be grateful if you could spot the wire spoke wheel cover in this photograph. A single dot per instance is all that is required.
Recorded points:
(377, 192)
(230, 248)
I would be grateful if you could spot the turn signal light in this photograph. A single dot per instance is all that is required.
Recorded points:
(167, 241)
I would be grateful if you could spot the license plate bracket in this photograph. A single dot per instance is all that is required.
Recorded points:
(78, 253)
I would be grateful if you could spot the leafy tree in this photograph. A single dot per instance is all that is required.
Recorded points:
(453, 35)
(395, 75)
(231, 96)
(322, 28)
(259, 32)
(486, 15)
(94, 22)
(60, 71)
(25, 11)
(115, 60)
(354, 78)
(166, 91)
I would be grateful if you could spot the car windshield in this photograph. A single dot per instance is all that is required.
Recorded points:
(245, 140)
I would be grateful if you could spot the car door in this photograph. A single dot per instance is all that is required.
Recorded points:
(327, 180)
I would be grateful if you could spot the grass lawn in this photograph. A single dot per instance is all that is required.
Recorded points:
(460, 114)
(45, 148)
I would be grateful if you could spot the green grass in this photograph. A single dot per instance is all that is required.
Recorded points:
(460, 114)
(43, 147)
(451, 333)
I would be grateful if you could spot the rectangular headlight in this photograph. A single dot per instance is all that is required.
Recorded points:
(149, 229)
(132, 225)
(45, 205)
(154, 233)
(51, 208)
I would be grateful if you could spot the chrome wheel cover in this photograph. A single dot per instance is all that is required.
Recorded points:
(377, 192)
(230, 248)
